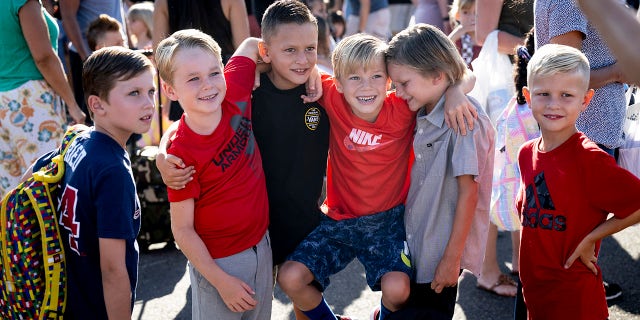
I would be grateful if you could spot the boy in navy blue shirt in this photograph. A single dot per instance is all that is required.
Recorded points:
(99, 211)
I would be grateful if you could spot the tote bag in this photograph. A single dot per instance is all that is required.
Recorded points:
(494, 78)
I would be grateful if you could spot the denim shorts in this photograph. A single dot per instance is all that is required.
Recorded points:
(378, 241)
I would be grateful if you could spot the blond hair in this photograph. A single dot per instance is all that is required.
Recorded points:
(459, 5)
(143, 12)
(355, 51)
(180, 40)
(556, 58)
(427, 50)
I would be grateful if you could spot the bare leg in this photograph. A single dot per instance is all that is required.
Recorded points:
(295, 280)
(395, 290)
(492, 278)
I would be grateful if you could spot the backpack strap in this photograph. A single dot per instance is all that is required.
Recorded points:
(54, 174)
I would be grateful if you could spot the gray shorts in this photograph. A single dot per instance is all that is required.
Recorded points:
(254, 267)
(378, 241)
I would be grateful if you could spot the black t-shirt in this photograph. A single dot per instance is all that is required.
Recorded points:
(293, 138)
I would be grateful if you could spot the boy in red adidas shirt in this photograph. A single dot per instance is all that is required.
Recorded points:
(569, 187)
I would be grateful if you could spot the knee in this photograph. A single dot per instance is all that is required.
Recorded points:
(293, 276)
(395, 290)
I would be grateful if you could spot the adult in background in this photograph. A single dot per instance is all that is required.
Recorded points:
(32, 83)
(401, 12)
(433, 12)
(369, 16)
(513, 19)
(622, 36)
(76, 17)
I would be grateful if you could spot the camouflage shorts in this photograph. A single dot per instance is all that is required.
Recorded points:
(378, 241)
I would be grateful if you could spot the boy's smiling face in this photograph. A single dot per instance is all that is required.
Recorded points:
(291, 51)
(198, 81)
(365, 89)
(557, 100)
(418, 90)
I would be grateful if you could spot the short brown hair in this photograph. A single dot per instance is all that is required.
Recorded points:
(98, 27)
(283, 12)
(179, 40)
(109, 65)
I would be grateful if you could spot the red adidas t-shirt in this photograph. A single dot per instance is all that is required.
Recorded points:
(565, 194)
(367, 164)
(231, 208)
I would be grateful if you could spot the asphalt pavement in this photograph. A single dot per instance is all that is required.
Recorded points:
(163, 288)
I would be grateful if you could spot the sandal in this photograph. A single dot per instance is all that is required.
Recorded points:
(503, 280)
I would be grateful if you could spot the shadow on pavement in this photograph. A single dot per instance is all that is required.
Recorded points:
(352, 278)
(618, 266)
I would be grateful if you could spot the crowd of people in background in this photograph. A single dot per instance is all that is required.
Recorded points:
(41, 93)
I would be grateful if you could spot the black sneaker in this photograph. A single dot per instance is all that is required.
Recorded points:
(612, 290)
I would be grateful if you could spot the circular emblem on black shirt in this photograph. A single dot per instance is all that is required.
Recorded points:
(312, 118)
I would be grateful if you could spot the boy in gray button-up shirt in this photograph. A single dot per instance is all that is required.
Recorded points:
(447, 211)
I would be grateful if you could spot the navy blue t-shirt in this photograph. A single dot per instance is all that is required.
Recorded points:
(98, 200)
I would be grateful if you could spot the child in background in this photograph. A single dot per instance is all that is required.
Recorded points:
(105, 31)
(367, 183)
(514, 127)
(463, 12)
(140, 22)
(338, 25)
(569, 187)
(220, 218)
(99, 208)
(324, 46)
(448, 202)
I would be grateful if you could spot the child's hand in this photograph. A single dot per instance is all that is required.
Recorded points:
(458, 110)
(237, 295)
(586, 251)
(314, 87)
(447, 274)
(173, 171)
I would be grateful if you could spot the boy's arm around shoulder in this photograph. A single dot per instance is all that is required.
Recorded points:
(174, 172)
(236, 294)
(115, 278)
(458, 109)
(249, 48)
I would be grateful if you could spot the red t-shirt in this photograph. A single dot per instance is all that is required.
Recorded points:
(367, 164)
(231, 208)
(565, 194)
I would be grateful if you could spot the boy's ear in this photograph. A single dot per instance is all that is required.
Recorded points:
(263, 50)
(169, 91)
(94, 103)
(338, 85)
(587, 98)
(438, 78)
(527, 95)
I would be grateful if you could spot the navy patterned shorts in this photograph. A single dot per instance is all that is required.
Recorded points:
(378, 241)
